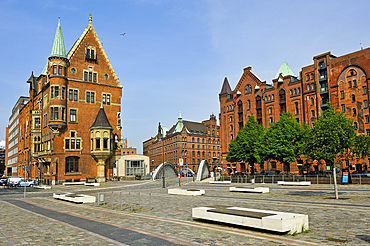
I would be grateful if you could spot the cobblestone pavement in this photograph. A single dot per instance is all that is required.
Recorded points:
(144, 205)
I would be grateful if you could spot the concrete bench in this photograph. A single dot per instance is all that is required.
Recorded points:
(184, 192)
(303, 183)
(45, 187)
(73, 183)
(92, 184)
(76, 198)
(220, 182)
(254, 190)
(261, 219)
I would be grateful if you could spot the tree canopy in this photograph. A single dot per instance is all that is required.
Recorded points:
(244, 148)
(284, 140)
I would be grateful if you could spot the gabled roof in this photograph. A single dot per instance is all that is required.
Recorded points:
(226, 89)
(101, 120)
(58, 49)
(284, 70)
(190, 127)
(90, 28)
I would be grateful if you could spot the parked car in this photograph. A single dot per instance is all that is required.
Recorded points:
(190, 174)
(27, 182)
(3, 181)
(269, 173)
(13, 181)
(362, 173)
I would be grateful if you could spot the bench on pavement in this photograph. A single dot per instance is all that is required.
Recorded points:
(261, 219)
(185, 192)
(220, 182)
(76, 198)
(45, 187)
(248, 190)
(302, 183)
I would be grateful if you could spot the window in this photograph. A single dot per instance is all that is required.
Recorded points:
(312, 113)
(45, 120)
(312, 101)
(105, 143)
(341, 94)
(364, 90)
(308, 87)
(354, 113)
(291, 92)
(72, 115)
(366, 104)
(231, 128)
(56, 91)
(37, 122)
(231, 119)
(354, 83)
(353, 98)
(343, 108)
(63, 92)
(70, 95)
(299, 90)
(92, 97)
(55, 69)
(104, 95)
(87, 97)
(270, 110)
(72, 142)
(296, 108)
(355, 124)
(72, 164)
(63, 114)
(295, 91)
(366, 119)
(85, 76)
(75, 95)
(312, 76)
(349, 84)
(271, 120)
(94, 77)
(313, 86)
(308, 77)
(273, 97)
(108, 99)
(54, 113)
(270, 98)
(60, 70)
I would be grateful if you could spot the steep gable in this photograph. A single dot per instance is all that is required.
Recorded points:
(99, 63)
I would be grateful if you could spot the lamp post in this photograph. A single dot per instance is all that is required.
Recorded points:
(160, 137)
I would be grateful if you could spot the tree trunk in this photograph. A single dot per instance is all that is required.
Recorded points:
(335, 183)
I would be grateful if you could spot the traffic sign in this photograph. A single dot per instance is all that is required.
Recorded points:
(25, 167)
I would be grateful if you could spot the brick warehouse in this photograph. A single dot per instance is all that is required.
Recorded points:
(69, 127)
(343, 81)
(192, 141)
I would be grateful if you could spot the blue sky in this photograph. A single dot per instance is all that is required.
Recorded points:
(175, 54)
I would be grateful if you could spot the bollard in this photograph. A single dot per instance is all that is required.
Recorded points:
(272, 179)
(139, 199)
(317, 179)
(98, 198)
(360, 178)
(293, 178)
(305, 178)
(330, 179)
(263, 179)
(112, 200)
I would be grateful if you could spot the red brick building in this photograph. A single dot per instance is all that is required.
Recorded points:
(192, 141)
(69, 128)
(343, 81)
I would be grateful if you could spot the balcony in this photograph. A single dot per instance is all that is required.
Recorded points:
(324, 89)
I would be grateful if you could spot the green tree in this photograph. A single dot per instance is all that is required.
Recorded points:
(244, 148)
(332, 136)
(361, 146)
(283, 140)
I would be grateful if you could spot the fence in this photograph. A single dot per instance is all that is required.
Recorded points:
(294, 178)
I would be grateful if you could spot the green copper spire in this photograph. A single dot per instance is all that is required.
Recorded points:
(285, 70)
(45, 69)
(58, 49)
(179, 124)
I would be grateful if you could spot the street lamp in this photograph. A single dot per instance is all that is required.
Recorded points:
(160, 137)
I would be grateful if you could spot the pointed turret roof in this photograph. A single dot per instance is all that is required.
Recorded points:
(179, 124)
(58, 49)
(101, 120)
(284, 70)
(226, 89)
(45, 69)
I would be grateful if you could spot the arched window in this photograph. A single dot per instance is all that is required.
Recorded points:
(353, 98)
(249, 104)
(312, 101)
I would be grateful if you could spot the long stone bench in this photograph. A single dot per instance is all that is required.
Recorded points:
(184, 192)
(73, 183)
(220, 182)
(76, 198)
(254, 190)
(261, 219)
(45, 187)
(303, 183)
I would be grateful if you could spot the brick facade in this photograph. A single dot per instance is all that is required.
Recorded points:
(55, 139)
(191, 141)
(342, 81)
